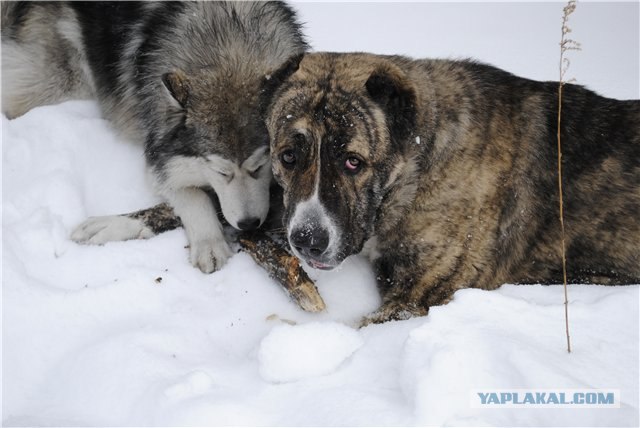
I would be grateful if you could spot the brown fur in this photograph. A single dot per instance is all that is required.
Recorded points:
(458, 186)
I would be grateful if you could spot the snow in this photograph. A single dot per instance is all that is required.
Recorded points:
(500, 350)
(130, 334)
(290, 353)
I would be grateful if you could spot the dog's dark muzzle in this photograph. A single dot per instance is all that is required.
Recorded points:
(311, 243)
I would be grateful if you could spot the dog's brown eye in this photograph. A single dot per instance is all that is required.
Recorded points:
(288, 158)
(352, 164)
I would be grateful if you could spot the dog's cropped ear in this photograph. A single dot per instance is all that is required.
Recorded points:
(393, 92)
(178, 86)
(272, 81)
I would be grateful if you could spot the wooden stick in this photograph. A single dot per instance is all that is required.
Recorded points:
(284, 268)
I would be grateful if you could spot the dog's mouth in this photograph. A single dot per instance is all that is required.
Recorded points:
(315, 262)
(319, 265)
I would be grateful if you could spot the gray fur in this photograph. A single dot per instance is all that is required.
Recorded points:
(185, 79)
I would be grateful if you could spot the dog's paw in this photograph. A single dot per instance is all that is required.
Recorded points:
(394, 311)
(210, 255)
(100, 230)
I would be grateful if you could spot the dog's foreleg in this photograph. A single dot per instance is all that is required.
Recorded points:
(141, 224)
(410, 285)
(192, 209)
(394, 309)
(209, 250)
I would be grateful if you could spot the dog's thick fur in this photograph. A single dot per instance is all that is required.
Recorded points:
(445, 172)
(183, 78)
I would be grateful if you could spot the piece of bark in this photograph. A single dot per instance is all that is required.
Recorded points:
(284, 268)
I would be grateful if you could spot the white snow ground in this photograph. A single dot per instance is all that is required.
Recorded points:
(93, 337)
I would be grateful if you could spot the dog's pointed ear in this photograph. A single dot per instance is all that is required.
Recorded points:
(177, 83)
(272, 81)
(391, 89)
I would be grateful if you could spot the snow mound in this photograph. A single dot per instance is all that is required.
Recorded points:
(513, 338)
(291, 353)
(196, 383)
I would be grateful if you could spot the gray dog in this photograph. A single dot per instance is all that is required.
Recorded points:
(183, 78)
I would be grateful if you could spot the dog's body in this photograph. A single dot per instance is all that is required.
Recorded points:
(183, 78)
(445, 172)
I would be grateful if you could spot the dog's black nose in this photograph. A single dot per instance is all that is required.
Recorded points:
(310, 242)
(249, 223)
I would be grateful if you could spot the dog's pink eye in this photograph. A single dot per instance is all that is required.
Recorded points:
(352, 164)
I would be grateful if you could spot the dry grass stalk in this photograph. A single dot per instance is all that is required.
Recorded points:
(566, 44)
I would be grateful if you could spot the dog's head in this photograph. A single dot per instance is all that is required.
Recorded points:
(217, 137)
(339, 126)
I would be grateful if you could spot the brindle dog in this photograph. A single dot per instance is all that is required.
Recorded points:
(445, 172)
